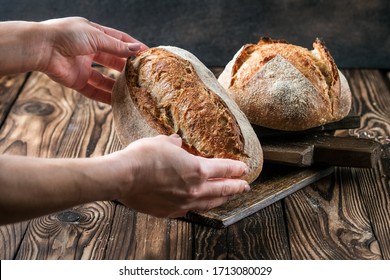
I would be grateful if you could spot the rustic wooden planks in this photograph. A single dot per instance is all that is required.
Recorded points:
(33, 127)
(88, 132)
(328, 221)
(373, 104)
(347, 217)
(82, 237)
(10, 87)
(307, 150)
(262, 235)
(141, 236)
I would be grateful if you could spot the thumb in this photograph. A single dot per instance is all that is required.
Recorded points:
(175, 139)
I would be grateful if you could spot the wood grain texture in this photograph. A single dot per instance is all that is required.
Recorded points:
(89, 133)
(262, 235)
(307, 150)
(37, 121)
(348, 217)
(34, 127)
(51, 237)
(373, 103)
(10, 239)
(328, 221)
(10, 87)
(346, 151)
(252, 243)
(140, 236)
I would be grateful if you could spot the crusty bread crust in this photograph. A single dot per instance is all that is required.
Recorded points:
(282, 86)
(167, 90)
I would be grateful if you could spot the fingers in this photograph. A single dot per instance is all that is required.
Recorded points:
(223, 168)
(214, 194)
(205, 205)
(175, 139)
(96, 93)
(98, 87)
(110, 61)
(221, 188)
(200, 205)
(214, 168)
(122, 36)
(116, 47)
(118, 43)
(100, 81)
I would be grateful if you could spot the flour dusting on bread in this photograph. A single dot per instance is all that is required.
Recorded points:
(287, 87)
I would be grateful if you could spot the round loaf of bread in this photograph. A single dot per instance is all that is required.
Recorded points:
(167, 90)
(287, 87)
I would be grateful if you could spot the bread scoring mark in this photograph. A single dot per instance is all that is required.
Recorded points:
(317, 66)
(329, 69)
(173, 99)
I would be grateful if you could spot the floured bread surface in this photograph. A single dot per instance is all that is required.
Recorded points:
(169, 91)
(287, 87)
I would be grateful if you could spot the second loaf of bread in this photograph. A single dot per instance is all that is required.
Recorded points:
(287, 87)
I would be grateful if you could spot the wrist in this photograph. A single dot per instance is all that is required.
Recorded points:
(23, 49)
(111, 177)
(42, 46)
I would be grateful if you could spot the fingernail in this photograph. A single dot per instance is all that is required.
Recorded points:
(247, 188)
(246, 171)
(134, 47)
(175, 135)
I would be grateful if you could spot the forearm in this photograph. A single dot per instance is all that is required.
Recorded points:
(32, 187)
(22, 45)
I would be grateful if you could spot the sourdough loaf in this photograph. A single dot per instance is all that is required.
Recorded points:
(167, 90)
(287, 87)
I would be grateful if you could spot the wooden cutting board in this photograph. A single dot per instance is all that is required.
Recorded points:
(316, 149)
(319, 146)
(274, 183)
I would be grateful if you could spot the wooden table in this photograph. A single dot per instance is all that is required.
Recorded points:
(343, 216)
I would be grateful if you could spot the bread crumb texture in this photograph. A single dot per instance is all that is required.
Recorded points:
(172, 98)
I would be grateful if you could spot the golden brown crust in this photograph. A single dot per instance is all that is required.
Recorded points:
(174, 100)
(283, 86)
(170, 95)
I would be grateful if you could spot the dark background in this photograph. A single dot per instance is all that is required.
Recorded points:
(356, 32)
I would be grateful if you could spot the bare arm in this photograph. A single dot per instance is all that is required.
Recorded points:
(31, 187)
(152, 175)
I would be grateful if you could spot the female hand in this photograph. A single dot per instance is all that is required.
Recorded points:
(162, 179)
(73, 44)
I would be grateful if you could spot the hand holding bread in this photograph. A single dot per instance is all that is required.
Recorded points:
(167, 90)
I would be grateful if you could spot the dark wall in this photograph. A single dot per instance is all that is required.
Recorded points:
(357, 33)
